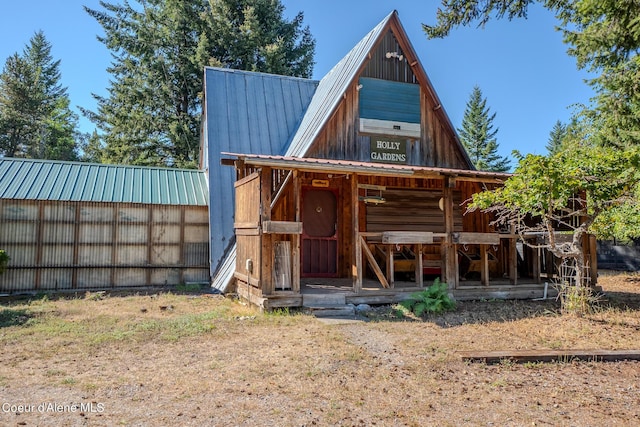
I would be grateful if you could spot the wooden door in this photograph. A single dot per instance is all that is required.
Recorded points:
(319, 233)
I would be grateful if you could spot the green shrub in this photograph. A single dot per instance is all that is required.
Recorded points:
(434, 299)
(4, 260)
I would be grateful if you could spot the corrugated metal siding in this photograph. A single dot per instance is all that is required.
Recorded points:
(252, 112)
(28, 179)
(57, 245)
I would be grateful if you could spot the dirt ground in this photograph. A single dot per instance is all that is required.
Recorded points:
(198, 360)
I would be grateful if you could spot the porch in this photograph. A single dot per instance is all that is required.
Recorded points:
(313, 290)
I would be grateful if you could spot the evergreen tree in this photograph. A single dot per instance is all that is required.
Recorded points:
(556, 136)
(151, 114)
(92, 149)
(35, 118)
(479, 137)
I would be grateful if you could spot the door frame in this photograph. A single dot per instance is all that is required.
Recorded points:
(337, 236)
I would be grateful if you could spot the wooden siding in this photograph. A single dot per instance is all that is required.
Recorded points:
(411, 210)
(341, 140)
(92, 245)
(247, 226)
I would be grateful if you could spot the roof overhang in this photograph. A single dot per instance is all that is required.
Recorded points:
(306, 164)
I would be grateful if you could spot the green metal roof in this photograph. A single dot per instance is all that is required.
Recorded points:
(28, 179)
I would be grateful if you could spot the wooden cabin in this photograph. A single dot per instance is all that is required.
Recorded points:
(354, 185)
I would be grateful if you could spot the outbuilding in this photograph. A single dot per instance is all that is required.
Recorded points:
(355, 184)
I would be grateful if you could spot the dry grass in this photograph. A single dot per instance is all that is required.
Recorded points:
(202, 360)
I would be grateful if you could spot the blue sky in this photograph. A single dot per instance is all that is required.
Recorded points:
(522, 66)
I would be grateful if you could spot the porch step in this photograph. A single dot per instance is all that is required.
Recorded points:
(328, 305)
(326, 299)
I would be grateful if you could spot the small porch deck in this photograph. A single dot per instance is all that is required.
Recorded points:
(373, 293)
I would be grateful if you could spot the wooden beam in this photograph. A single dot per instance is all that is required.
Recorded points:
(356, 263)
(282, 227)
(476, 238)
(449, 251)
(407, 237)
(295, 253)
(523, 356)
(513, 258)
(266, 247)
(374, 265)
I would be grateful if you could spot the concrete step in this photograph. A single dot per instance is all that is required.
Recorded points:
(347, 310)
(329, 299)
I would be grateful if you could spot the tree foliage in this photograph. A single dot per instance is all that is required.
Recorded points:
(478, 135)
(603, 36)
(36, 120)
(575, 191)
(151, 114)
(557, 134)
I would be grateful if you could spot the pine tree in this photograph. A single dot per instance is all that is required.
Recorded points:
(35, 118)
(556, 136)
(479, 137)
(151, 114)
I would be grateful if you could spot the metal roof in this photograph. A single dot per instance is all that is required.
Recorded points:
(249, 112)
(330, 90)
(29, 179)
(367, 168)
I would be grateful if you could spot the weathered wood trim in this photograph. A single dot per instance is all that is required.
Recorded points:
(466, 238)
(419, 266)
(407, 237)
(248, 231)
(374, 265)
(297, 239)
(282, 227)
(484, 265)
(266, 252)
(356, 263)
(248, 178)
(247, 279)
(523, 356)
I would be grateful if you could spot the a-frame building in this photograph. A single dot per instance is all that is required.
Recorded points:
(354, 184)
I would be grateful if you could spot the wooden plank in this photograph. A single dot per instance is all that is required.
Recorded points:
(476, 238)
(372, 262)
(282, 227)
(407, 237)
(523, 356)
(248, 231)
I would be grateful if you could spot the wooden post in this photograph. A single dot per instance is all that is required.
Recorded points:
(295, 274)
(390, 266)
(419, 266)
(513, 257)
(536, 264)
(449, 248)
(484, 265)
(266, 256)
(356, 263)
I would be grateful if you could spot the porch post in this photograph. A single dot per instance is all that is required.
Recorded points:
(266, 256)
(356, 262)
(449, 250)
(295, 262)
(484, 266)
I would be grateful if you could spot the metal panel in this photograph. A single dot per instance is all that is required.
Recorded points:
(389, 100)
(30, 179)
(74, 246)
(254, 112)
